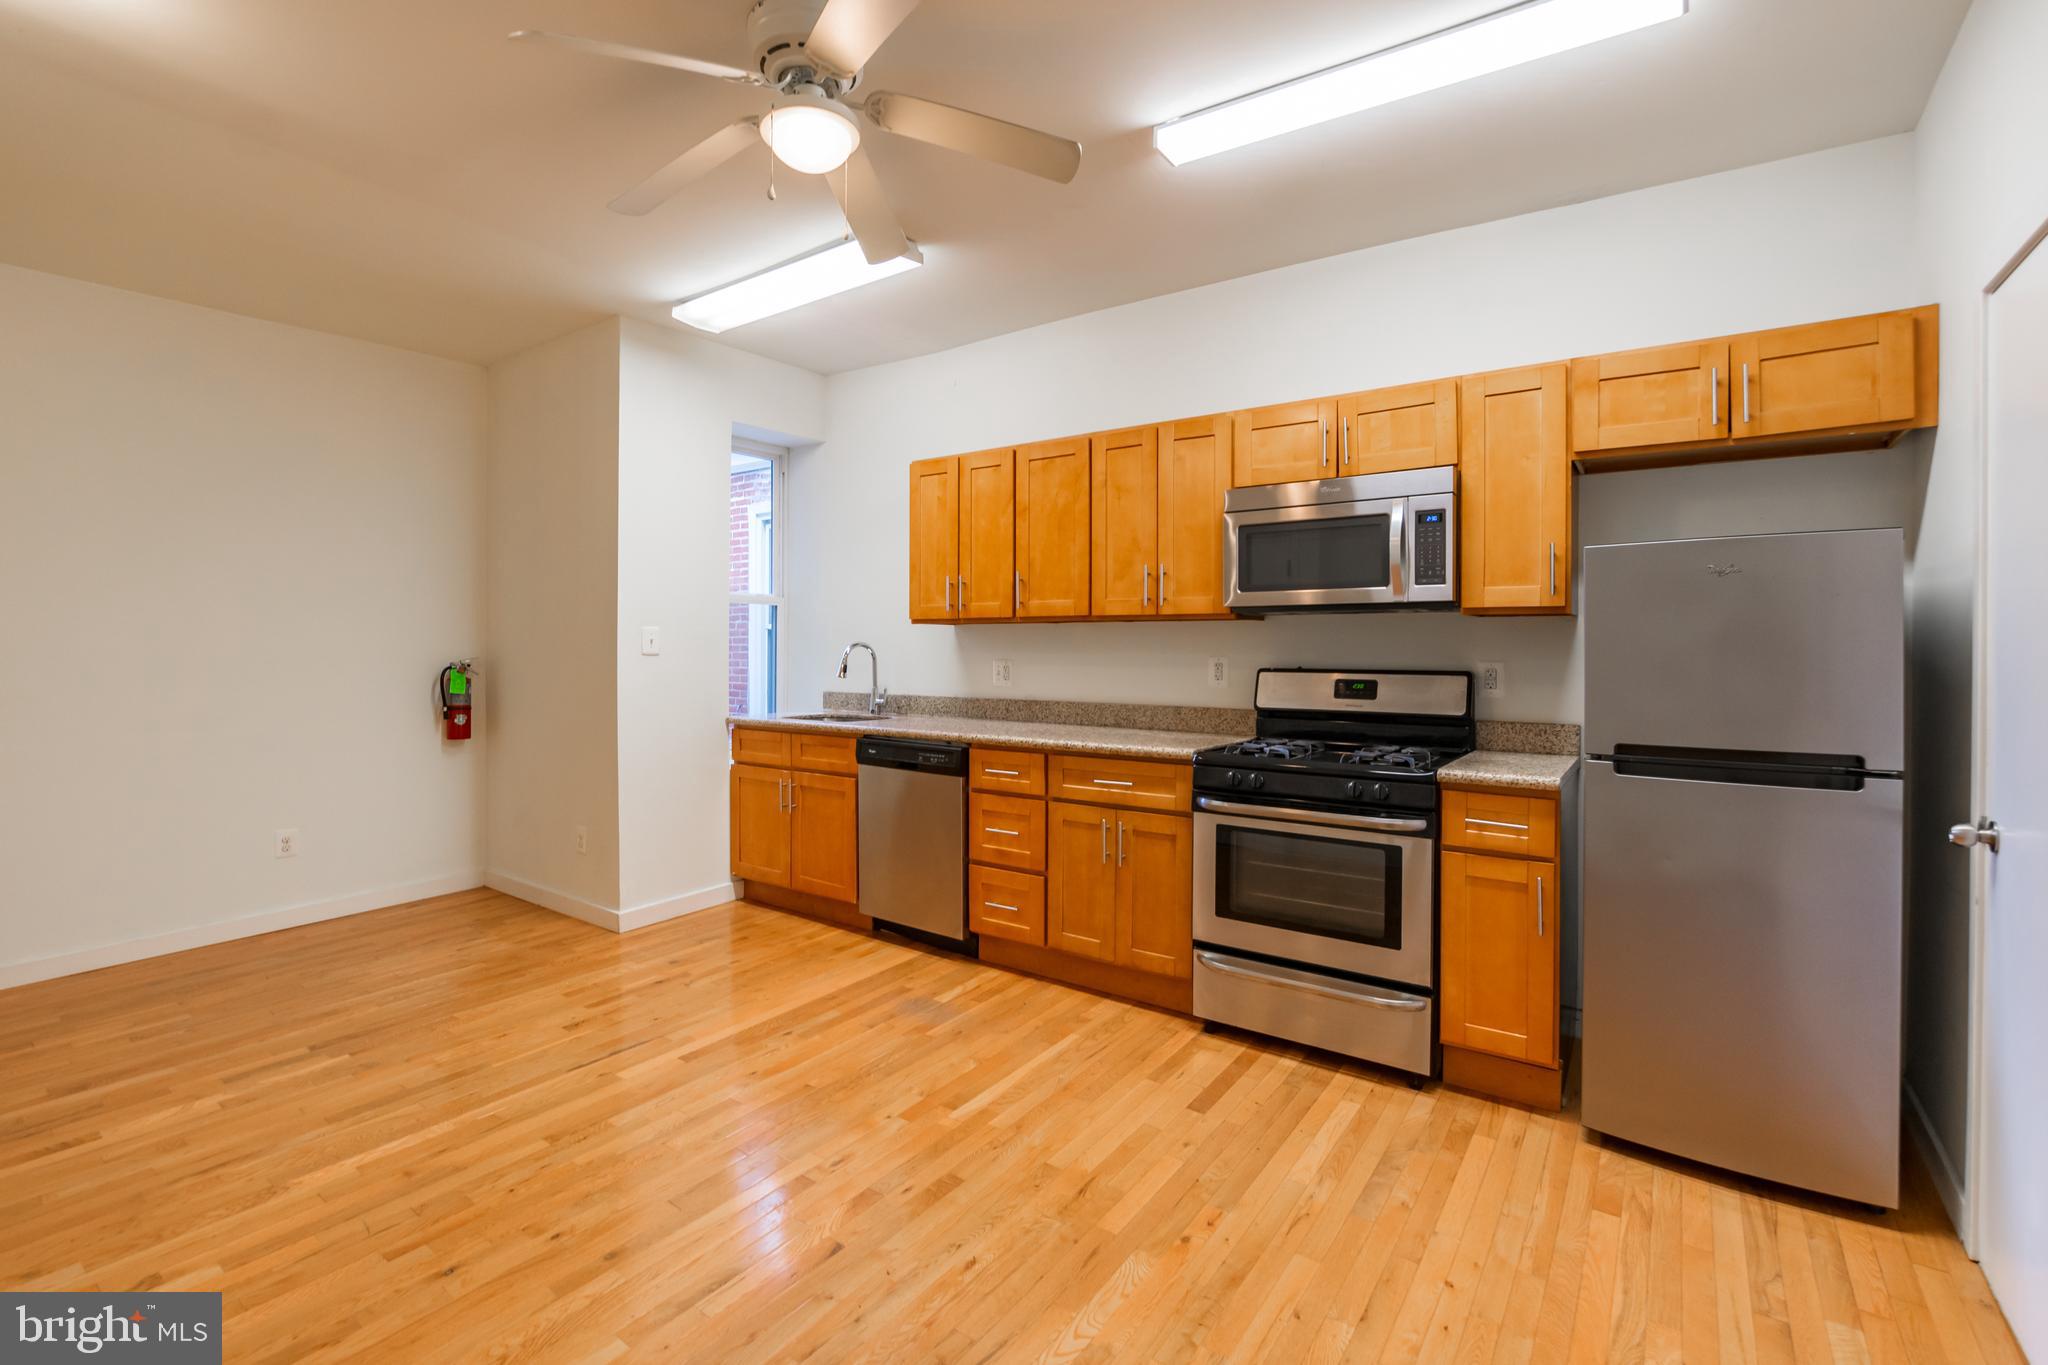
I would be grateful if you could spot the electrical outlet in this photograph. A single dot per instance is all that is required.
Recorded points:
(1002, 673)
(1491, 680)
(582, 839)
(1219, 672)
(650, 639)
(287, 843)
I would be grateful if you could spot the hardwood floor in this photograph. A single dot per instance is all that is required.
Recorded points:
(471, 1130)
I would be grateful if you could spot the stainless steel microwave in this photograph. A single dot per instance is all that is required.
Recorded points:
(1373, 540)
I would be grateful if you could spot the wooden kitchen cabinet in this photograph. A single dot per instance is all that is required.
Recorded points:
(1124, 522)
(1662, 396)
(1080, 881)
(1849, 372)
(1194, 474)
(1283, 444)
(760, 824)
(1154, 892)
(795, 825)
(1500, 962)
(1515, 499)
(1006, 904)
(1052, 529)
(1412, 426)
(935, 539)
(987, 586)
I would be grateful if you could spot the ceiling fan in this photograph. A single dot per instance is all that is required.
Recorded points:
(808, 54)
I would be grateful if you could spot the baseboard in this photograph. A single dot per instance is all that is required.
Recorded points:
(222, 931)
(603, 916)
(1947, 1183)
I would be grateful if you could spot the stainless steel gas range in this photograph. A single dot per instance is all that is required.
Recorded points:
(1316, 858)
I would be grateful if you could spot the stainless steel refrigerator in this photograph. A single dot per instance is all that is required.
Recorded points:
(1745, 750)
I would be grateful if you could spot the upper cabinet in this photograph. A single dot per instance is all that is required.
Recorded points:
(1194, 474)
(935, 539)
(1284, 444)
(1831, 374)
(1515, 495)
(987, 590)
(1413, 426)
(1667, 395)
(1124, 522)
(1052, 529)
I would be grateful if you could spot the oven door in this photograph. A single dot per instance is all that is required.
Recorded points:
(1344, 554)
(1354, 893)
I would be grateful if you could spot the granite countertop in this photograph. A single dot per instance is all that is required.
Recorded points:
(1501, 768)
(1113, 741)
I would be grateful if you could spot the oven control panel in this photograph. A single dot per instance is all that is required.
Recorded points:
(1432, 539)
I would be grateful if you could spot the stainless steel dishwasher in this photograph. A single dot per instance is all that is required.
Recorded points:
(913, 836)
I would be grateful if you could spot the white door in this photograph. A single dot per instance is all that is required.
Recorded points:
(2010, 1183)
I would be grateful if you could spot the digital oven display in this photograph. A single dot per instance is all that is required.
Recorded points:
(1358, 689)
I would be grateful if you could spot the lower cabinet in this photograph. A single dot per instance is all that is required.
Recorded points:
(1002, 903)
(1118, 886)
(793, 828)
(824, 858)
(760, 824)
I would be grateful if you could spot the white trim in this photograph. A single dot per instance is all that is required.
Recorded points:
(1947, 1183)
(604, 917)
(747, 445)
(226, 930)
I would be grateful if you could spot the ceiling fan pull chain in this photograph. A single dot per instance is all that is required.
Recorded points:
(771, 161)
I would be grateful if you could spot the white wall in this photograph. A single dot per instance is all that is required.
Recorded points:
(679, 397)
(1982, 156)
(1814, 237)
(233, 557)
(550, 693)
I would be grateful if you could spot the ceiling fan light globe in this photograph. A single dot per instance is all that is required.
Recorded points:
(810, 138)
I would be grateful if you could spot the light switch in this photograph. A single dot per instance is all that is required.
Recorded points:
(650, 639)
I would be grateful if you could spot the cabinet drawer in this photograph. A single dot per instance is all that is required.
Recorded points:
(763, 748)
(1122, 782)
(1006, 904)
(1008, 831)
(1016, 772)
(1489, 822)
(822, 753)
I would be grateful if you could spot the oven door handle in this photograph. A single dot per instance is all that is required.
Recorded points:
(1382, 823)
(1357, 995)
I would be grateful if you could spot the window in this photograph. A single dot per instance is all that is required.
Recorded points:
(755, 579)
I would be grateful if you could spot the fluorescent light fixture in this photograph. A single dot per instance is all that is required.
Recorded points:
(1494, 42)
(818, 274)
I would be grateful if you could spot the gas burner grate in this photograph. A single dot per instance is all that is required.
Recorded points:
(1276, 748)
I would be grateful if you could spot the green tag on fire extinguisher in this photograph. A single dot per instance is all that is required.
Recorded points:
(458, 682)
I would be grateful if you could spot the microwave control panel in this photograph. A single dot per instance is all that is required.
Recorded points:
(1431, 536)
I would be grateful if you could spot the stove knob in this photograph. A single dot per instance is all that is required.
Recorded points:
(1354, 790)
(1381, 791)
(1254, 781)
(1234, 778)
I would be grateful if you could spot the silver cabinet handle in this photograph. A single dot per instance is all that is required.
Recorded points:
(1281, 815)
(1002, 772)
(1553, 568)
(1494, 824)
(1713, 396)
(1119, 843)
(1745, 393)
(1323, 439)
(1162, 582)
(998, 905)
(1146, 600)
(1357, 995)
(1110, 782)
(782, 793)
(1018, 607)
(1539, 907)
(949, 592)
(1344, 444)
(963, 592)
(991, 829)
(1105, 838)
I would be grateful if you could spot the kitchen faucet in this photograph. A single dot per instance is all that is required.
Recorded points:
(877, 694)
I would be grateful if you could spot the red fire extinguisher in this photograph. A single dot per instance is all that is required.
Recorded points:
(456, 687)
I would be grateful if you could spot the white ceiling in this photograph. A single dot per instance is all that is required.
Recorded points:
(396, 170)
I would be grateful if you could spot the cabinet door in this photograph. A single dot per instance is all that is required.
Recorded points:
(1052, 528)
(1124, 522)
(1080, 881)
(824, 838)
(1414, 426)
(1194, 474)
(1500, 961)
(988, 536)
(760, 824)
(1154, 892)
(934, 539)
(1283, 444)
(1668, 395)
(1851, 372)
(1006, 904)
(1515, 493)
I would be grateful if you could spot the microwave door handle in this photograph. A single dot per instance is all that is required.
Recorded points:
(1397, 549)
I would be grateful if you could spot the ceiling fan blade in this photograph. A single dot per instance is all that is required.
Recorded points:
(963, 130)
(848, 31)
(859, 191)
(598, 47)
(666, 183)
